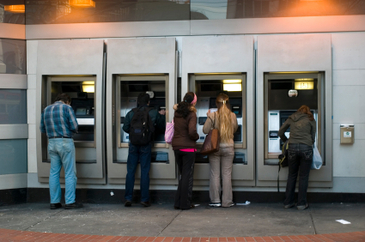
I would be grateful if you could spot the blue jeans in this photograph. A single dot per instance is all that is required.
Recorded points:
(300, 158)
(141, 153)
(62, 153)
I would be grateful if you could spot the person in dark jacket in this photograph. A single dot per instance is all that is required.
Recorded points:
(141, 153)
(184, 146)
(300, 154)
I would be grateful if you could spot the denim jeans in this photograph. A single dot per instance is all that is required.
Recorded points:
(185, 164)
(300, 159)
(62, 153)
(141, 153)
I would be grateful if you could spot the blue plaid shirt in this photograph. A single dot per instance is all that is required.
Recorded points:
(58, 120)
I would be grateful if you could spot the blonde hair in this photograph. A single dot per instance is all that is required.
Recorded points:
(224, 116)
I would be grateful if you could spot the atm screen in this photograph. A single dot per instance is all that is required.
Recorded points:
(158, 103)
(81, 111)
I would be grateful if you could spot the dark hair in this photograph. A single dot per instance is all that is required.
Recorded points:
(184, 107)
(63, 97)
(143, 99)
(306, 110)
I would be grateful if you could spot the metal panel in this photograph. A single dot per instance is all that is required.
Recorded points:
(313, 24)
(13, 181)
(108, 30)
(12, 31)
(13, 81)
(294, 53)
(223, 55)
(71, 58)
(14, 131)
(132, 60)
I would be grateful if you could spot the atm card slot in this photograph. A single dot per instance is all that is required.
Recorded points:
(273, 134)
(239, 158)
(200, 158)
(160, 157)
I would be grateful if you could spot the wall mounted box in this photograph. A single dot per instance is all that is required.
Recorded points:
(347, 133)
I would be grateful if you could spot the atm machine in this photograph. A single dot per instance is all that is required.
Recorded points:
(207, 87)
(83, 95)
(285, 94)
(126, 89)
(129, 91)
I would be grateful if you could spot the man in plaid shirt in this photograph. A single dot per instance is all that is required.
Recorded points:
(59, 123)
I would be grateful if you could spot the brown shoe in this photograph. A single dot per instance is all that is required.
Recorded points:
(146, 204)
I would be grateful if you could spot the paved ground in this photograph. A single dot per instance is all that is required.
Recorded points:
(161, 222)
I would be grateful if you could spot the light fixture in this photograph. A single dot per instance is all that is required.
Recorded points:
(88, 86)
(15, 8)
(82, 3)
(232, 85)
(304, 84)
(232, 81)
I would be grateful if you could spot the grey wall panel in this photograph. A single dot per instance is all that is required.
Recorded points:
(305, 52)
(12, 31)
(314, 24)
(108, 30)
(130, 56)
(70, 57)
(224, 54)
(14, 131)
(293, 53)
(13, 81)
(13, 181)
(139, 56)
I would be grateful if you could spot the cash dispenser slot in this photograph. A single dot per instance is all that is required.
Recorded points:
(84, 111)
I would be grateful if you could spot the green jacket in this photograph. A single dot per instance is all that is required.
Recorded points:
(302, 130)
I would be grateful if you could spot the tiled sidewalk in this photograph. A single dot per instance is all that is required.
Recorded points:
(15, 235)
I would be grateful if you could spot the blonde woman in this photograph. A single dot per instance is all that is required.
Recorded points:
(221, 162)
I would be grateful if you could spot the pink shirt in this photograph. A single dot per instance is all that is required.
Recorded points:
(188, 150)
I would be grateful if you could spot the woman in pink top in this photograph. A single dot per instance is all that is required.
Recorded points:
(184, 146)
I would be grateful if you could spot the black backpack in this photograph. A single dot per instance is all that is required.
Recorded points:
(142, 127)
(283, 159)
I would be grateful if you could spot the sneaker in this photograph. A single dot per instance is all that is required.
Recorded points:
(73, 206)
(127, 203)
(55, 205)
(289, 205)
(229, 205)
(215, 205)
(303, 207)
(146, 204)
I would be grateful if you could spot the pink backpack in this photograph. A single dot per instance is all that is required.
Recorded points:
(169, 132)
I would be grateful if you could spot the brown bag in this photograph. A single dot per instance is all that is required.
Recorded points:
(211, 142)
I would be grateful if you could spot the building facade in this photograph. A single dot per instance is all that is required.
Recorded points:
(103, 53)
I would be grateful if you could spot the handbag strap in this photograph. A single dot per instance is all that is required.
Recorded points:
(213, 121)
